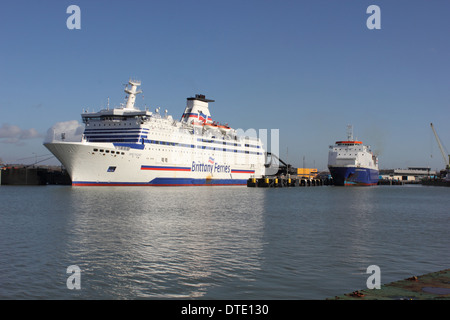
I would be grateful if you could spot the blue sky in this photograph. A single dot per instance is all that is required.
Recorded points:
(307, 68)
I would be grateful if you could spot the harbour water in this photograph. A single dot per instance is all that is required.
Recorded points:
(217, 242)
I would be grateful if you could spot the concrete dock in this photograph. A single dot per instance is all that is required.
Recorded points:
(34, 176)
(282, 182)
(431, 286)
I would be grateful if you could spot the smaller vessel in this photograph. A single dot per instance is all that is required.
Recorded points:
(352, 163)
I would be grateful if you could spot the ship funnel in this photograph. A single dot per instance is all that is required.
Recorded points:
(197, 109)
(132, 92)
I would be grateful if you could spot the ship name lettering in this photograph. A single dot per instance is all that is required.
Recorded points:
(211, 168)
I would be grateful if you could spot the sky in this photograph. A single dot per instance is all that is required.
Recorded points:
(306, 68)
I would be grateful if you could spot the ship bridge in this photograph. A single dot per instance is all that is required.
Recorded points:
(348, 143)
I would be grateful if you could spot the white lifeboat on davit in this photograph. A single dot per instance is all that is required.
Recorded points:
(224, 128)
(210, 126)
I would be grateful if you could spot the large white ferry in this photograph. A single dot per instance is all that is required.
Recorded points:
(352, 163)
(128, 146)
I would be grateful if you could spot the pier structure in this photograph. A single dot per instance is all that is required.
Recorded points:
(282, 182)
(280, 174)
(33, 176)
(430, 286)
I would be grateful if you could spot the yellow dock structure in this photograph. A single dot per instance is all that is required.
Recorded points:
(310, 173)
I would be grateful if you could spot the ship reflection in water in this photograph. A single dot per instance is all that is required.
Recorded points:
(166, 242)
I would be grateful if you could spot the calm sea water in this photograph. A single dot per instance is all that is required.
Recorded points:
(217, 242)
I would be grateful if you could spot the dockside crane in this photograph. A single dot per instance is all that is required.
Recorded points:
(445, 156)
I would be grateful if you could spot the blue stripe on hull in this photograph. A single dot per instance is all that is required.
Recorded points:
(346, 176)
(167, 182)
(196, 182)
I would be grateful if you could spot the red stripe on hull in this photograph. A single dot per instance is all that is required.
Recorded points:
(109, 184)
(165, 169)
(232, 171)
(151, 185)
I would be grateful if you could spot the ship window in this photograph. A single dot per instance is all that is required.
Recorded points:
(122, 153)
(101, 150)
(107, 151)
(95, 150)
(111, 169)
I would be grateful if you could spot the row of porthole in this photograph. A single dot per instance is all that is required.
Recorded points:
(108, 151)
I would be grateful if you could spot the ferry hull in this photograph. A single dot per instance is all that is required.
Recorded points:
(354, 176)
(88, 168)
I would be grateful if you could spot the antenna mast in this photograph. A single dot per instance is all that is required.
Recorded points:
(349, 132)
(132, 92)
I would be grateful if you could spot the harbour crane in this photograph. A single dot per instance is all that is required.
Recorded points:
(446, 157)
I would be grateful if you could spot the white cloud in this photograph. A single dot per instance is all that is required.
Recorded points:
(72, 130)
(14, 135)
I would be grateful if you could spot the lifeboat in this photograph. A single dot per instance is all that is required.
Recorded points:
(224, 128)
(210, 126)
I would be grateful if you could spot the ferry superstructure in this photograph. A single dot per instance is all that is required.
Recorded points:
(127, 146)
(352, 163)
